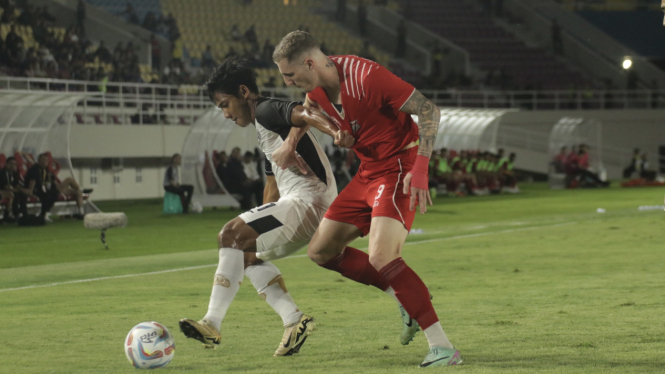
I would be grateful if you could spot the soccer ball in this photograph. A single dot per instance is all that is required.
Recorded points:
(149, 345)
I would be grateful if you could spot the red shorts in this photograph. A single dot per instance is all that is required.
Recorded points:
(376, 191)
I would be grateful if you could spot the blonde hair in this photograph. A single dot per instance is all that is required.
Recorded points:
(293, 45)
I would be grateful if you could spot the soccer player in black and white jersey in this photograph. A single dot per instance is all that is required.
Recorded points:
(295, 201)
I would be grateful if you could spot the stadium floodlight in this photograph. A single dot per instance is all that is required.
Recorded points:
(627, 63)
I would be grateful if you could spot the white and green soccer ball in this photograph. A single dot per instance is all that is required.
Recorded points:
(149, 345)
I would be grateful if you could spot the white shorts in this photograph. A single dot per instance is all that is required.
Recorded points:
(284, 226)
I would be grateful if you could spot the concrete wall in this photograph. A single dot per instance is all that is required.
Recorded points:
(126, 186)
(101, 141)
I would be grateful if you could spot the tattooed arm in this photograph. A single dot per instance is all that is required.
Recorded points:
(428, 121)
(428, 126)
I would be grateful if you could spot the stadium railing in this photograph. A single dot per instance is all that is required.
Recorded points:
(123, 103)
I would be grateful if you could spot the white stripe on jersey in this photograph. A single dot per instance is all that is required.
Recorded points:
(357, 78)
(346, 81)
(362, 79)
(352, 78)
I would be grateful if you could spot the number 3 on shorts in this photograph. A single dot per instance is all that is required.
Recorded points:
(379, 192)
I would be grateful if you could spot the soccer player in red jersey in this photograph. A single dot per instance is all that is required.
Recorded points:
(374, 106)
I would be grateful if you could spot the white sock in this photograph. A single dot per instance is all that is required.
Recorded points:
(228, 276)
(391, 292)
(436, 337)
(268, 282)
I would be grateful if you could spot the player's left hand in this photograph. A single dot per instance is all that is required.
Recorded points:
(344, 139)
(422, 195)
(285, 157)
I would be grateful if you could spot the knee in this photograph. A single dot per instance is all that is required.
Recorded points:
(228, 237)
(380, 259)
(322, 252)
(316, 256)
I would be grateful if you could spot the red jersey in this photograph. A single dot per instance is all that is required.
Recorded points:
(371, 101)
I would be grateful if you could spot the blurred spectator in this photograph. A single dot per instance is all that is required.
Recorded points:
(103, 53)
(635, 163)
(150, 22)
(254, 180)
(232, 52)
(235, 179)
(584, 176)
(12, 190)
(645, 171)
(13, 42)
(130, 14)
(40, 183)
(207, 60)
(236, 36)
(509, 181)
(177, 50)
(220, 168)
(437, 60)
(27, 16)
(559, 162)
(9, 14)
(268, 49)
(155, 53)
(250, 36)
(172, 183)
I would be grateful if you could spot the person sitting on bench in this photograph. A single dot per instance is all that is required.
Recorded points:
(12, 190)
(172, 183)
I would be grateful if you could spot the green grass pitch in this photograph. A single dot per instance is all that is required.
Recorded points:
(532, 283)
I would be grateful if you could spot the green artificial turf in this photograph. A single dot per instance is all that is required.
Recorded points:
(532, 283)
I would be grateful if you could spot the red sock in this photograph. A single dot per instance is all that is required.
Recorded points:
(354, 264)
(411, 292)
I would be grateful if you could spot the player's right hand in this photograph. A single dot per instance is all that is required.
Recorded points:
(344, 139)
(285, 157)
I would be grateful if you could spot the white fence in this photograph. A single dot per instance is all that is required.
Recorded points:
(141, 104)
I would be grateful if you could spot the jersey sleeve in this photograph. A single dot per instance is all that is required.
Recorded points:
(268, 167)
(275, 114)
(386, 89)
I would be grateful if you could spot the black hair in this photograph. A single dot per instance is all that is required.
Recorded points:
(249, 154)
(174, 156)
(228, 76)
(11, 158)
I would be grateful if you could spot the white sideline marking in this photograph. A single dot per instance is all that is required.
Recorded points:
(297, 256)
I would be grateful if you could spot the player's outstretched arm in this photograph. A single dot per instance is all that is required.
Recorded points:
(303, 116)
(429, 116)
